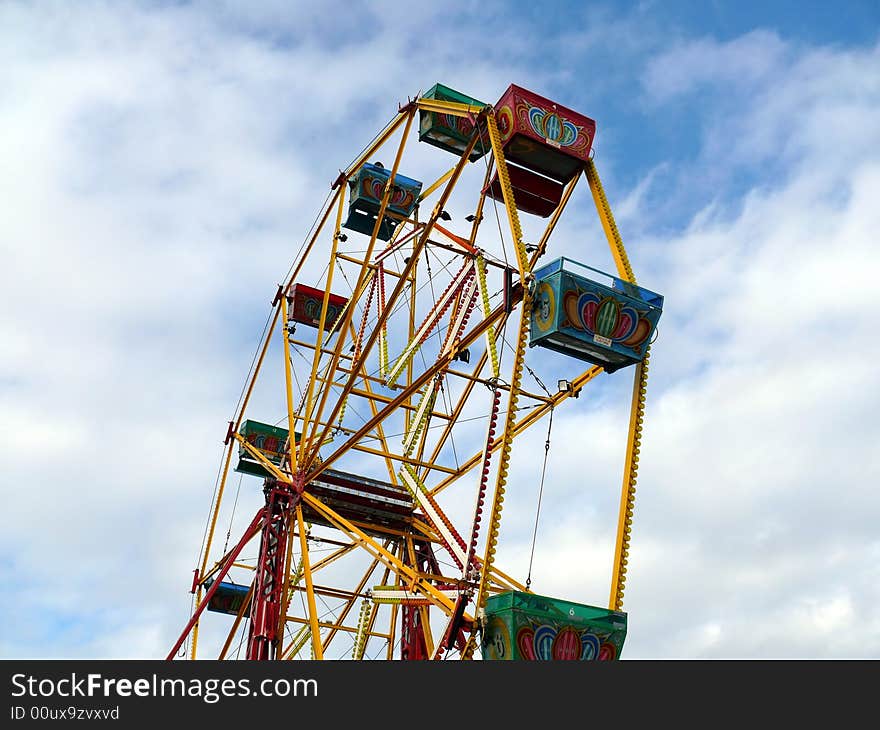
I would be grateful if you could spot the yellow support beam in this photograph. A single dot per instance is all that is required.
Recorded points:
(453, 108)
(360, 262)
(637, 405)
(370, 395)
(383, 137)
(331, 625)
(310, 589)
(403, 459)
(426, 629)
(509, 433)
(452, 419)
(519, 246)
(380, 431)
(628, 489)
(436, 185)
(394, 607)
(554, 219)
(333, 557)
(624, 270)
(506, 582)
(291, 422)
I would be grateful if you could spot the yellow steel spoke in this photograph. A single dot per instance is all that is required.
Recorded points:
(507, 193)
(356, 594)
(637, 406)
(453, 108)
(307, 571)
(291, 423)
(324, 562)
(436, 185)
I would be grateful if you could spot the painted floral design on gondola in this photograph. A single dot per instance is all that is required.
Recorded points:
(373, 187)
(545, 306)
(462, 125)
(504, 120)
(270, 445)
(312, 309)
(566, 643)
(553, 127)
(606, 317)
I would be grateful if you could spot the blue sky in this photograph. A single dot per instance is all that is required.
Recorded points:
(163, 161)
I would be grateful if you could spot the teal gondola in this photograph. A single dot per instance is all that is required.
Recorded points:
(608, 324)
(366, 189)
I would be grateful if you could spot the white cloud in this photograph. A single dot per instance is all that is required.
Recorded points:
(690, 64)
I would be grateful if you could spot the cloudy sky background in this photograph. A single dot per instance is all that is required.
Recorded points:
(161, 162)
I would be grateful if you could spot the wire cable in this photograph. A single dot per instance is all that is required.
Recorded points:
(540, 496)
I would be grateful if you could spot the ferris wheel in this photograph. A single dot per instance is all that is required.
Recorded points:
(398, 369)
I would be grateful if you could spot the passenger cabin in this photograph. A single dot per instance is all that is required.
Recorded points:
(270, 441)
(608, 324)
(526, 626)
(448, 131)
(228, 598)
(545, 145)
(366, 189)
(378, 508)
(306, 303)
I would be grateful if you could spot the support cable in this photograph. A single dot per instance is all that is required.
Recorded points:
(540, 496)
(232, 516)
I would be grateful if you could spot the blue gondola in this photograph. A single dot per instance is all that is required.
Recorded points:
(228, 598)
(365, 192)
(610, 325)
